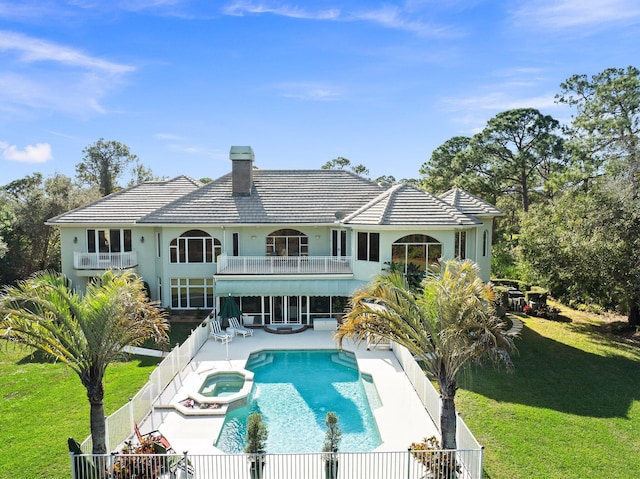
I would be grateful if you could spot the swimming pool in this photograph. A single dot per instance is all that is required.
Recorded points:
(294, 390)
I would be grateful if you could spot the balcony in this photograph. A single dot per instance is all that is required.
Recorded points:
(284, 264)
(100, 261)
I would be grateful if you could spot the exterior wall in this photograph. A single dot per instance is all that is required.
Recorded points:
(156, 269)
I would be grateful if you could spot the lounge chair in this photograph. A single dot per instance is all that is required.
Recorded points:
(217, 333)
(156, 436)
(239, 329)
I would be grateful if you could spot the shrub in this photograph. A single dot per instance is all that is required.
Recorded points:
(439, 463)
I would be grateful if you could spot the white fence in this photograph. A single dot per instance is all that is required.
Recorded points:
(284, 264)
(369, 465)
(353, 465)
(430, 398)
(119, 425)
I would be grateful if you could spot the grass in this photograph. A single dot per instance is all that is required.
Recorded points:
(570, 410)
(44, 403)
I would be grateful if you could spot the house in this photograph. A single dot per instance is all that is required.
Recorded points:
(288, 245)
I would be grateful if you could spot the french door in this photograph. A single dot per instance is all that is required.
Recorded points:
(286, 309)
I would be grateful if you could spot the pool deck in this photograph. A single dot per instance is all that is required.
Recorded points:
(401, 420)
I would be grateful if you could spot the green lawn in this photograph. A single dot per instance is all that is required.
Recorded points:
(570, 410)
(41, 404)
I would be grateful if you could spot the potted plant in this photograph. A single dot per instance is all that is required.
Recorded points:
(256, 441)
(331, 444)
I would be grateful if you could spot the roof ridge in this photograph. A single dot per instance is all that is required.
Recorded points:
(382, 196)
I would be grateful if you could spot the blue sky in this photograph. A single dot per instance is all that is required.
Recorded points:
(382, 83)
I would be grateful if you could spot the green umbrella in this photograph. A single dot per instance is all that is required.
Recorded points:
(230, 309)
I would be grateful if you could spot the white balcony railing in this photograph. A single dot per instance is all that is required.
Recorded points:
(284, 264)
(125, 260)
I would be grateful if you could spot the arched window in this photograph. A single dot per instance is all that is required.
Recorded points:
(485, 243)
(418, 250)
(194, 246)
(287, 242)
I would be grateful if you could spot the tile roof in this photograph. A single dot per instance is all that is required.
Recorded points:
(277, 196)
(129, 205)
(281, 197)
(469, 204)
(404, 204)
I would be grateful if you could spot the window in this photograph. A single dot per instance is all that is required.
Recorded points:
(461, 244)
(338, 243)
(417, 250)
(485, 243)
(159, 246)
(369, 246)
(194, 246)
(190, 293)
(287, 242)
(236, 244)
(108, 241)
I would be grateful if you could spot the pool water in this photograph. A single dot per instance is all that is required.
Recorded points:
(222, 384)
(294, 390)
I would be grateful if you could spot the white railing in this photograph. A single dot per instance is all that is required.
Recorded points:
(351, 465)
(284, 264)
(119, 425)
(128, 259)
(465, 440)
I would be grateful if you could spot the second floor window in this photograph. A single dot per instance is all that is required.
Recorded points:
(108, 241)
(461, 244)
(194, 246)
(369, 246)
(287, 242)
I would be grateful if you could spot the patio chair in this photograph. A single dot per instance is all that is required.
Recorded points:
(156, 436)
(217, 333)
(239, 329)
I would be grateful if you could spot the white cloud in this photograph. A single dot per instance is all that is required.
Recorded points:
(36, 50)
(309, 91)
(241, 8)
(393, 17)
(561, 14)
(38, 74)
(38, 153)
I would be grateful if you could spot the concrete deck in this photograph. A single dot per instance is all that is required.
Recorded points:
(402, 419)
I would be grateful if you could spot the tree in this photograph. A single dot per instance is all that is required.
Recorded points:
(341, 163)
(606, 127)
(585, 247)
(140, 174)
(86, 332)
(27, 204)
(448, 167)
(447, 325)
(103, 163)
(3, 248)
(517, 152)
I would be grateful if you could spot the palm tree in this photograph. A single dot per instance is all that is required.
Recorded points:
(448, 324)
(86, 332)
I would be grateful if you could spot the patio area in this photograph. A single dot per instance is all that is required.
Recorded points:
(401, 419)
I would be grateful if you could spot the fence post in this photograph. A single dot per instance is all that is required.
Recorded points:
(408, 462)
(185, 462)
(131, 415)
(106, 433)
(73, 465)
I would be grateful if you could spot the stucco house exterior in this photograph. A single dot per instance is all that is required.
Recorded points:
(288, 245)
